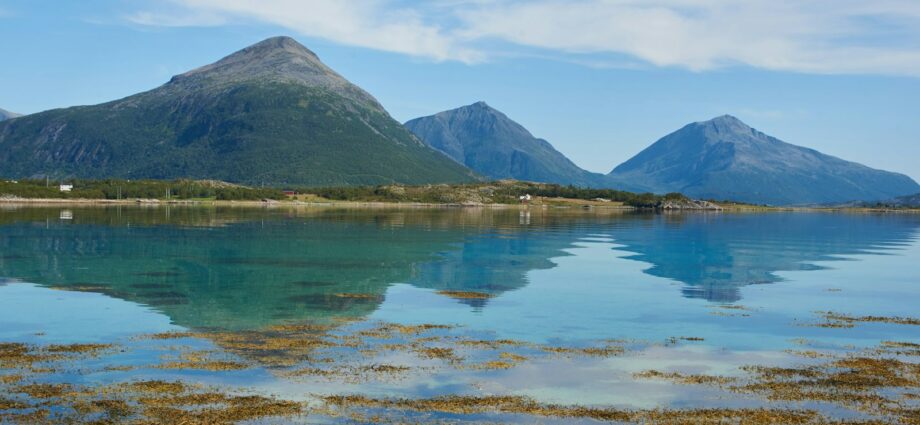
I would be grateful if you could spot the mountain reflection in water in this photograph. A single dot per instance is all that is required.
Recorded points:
(238, 268)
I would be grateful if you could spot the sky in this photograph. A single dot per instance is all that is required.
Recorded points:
(599, 79)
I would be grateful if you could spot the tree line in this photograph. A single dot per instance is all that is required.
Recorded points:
(135, 189)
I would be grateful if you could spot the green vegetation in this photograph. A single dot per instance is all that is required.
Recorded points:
(136, 189)
(247, 133)
(502, 192)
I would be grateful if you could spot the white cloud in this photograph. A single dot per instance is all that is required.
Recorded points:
(813, 36)
(822, 36)
(365, 23)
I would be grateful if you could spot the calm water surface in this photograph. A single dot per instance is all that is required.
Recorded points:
(744, 286)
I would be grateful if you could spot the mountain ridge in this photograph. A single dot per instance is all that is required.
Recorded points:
(269, 113)
(492, 144)
(724, 158)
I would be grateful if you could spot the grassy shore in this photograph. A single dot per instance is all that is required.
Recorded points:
(307, 201)
(499, 194)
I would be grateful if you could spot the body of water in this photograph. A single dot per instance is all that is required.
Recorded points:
(586, 302)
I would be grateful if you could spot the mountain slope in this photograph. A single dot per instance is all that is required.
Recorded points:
(490, 143)
(271, 113)
(906, 201)
(5, 115)
(725, 159)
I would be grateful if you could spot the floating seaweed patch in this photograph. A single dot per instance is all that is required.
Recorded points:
(202, 360)
(18, 355)
(490, 343)
(354, 374)
(113, 410)
(43, 390)
(466, 295)
(680, 378)
(839, 320)
(443, 353)
(167, 335)
(900, 348)
(880, 382)
(603, 351)
(91, 349)
(810, 354)
(140, 402)
(9, 404)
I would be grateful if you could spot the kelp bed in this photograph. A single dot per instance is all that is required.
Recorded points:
(869, 386)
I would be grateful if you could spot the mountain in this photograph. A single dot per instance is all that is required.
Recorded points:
(491, 144)
(906, 201)
(5, 115)
(271, 113)
(724, 158)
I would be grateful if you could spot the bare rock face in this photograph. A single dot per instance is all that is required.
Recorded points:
(725, 159)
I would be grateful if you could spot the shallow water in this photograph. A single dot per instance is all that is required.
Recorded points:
(739, 288)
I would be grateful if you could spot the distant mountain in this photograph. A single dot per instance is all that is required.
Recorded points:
(907, 201)
(271, 113)
(723, 158)
(491, 144)
(5, 115)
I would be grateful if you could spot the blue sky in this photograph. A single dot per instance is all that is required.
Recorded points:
(600, 79)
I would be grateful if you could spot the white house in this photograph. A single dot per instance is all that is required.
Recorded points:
(66, 187)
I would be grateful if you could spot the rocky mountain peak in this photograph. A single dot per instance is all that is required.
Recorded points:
(273, 57)
(276, 59)
(484, 119)
(726, 125)
(283, 44)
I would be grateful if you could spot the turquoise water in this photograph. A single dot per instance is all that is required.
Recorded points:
(744, 286)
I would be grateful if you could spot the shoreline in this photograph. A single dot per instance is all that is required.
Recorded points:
(574, 204)
(244, 203)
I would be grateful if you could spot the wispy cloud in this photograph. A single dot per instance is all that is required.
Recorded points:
(815, 36)
(375, 24)
(186, 19)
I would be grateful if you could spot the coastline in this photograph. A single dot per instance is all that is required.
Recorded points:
(275, 204)
(555, 204)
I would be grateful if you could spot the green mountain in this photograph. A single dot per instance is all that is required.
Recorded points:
(5, 115)
(487, 141)
(724, 158)
(271, 113)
